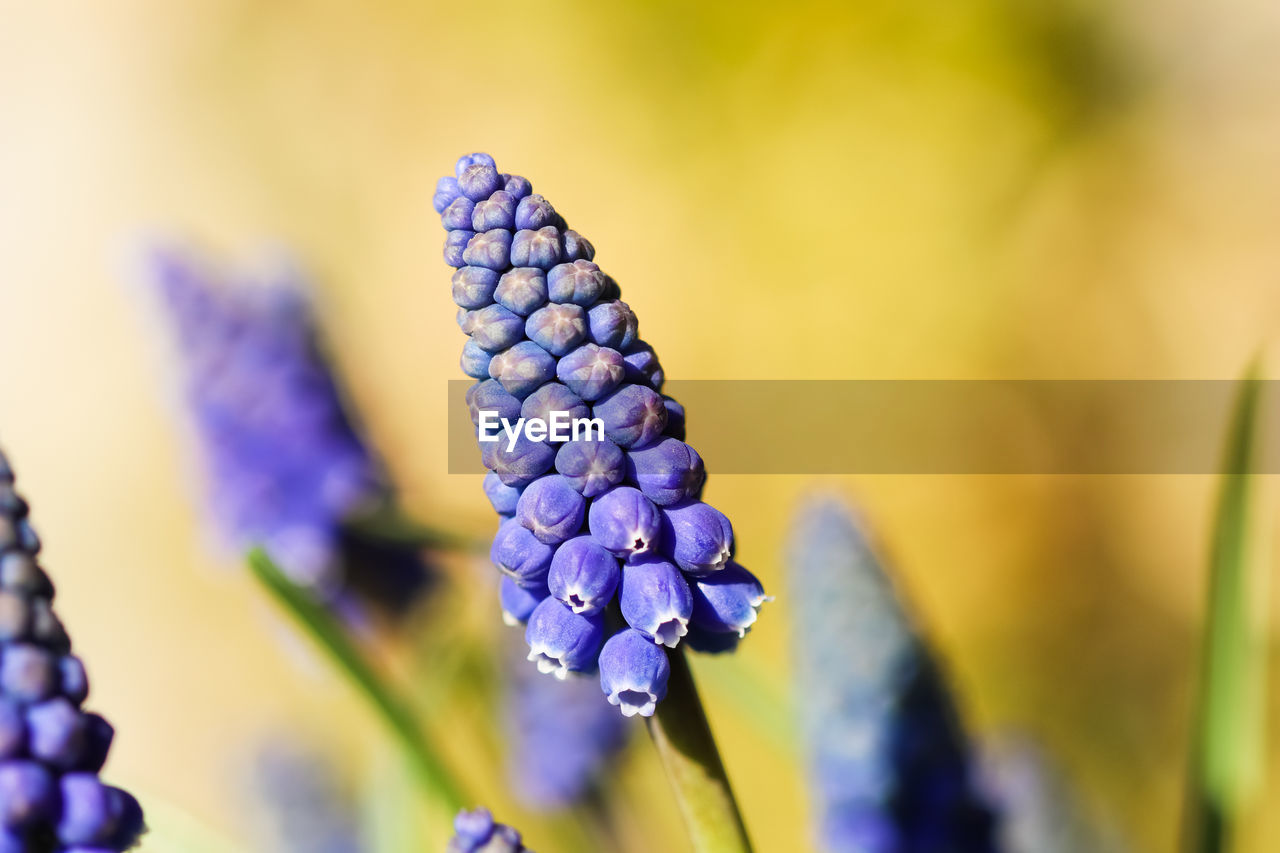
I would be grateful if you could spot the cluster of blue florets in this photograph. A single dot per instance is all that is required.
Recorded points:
(287, 469)
(50, 749)
(477, 832)
(892, 769)
(608, 554)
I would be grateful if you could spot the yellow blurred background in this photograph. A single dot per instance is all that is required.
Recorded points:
(976, 189)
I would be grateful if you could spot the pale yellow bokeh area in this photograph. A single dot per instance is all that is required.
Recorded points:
(986, 188)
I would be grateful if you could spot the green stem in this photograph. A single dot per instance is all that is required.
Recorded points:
(326, 631)
(682, 735)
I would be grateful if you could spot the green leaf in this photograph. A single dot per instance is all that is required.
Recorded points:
(1229, 726)
(396, 712)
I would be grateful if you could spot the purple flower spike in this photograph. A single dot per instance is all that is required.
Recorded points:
(577, 247)
(516, 187)
(579, 282)
(634, 673)
(540, 248)
(561, 641)
(495, 329)
(675, 418)
(551, 509)
(523, 368)
(490, 396)
(625, 521)
(446, 191)
(591, 465)
(458, 214)
(523, 290)
(518, 602)
(473, 287)
(520, 463)
(583, 576)
(490, 249)
(497, 211)
(697, 536)
(520, 556)
(667, 471)
(550, 399)
(727, 601)
(633, 415)
(591, 371)
(500, 495)
(656, 600)
(535, 212)
(475, 361)
(455, 247)
(641, 365)
(479, 181)
(557, 328)
(612, 324)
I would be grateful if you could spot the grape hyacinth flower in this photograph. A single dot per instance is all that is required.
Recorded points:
(560, 737)
(51, 750)
(608, 553)
(286, 467)
(477, 832)
(890, 765)
(297, 795)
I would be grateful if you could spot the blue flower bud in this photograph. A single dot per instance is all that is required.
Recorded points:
(495, 329)
(522, 462)
(479, 158)
(579, 282)
(540, 248)
(57, 733)
(516, 187)
(557, 328)
(634, 673)
(583, 576)
(500, 495)
(497, 211)
(518, 602)
(474, 361)
(591, 371)
(455, 247)
(534, 212)
(633, 415)
(490, 396)
(466, 320)
(612, 324)
(553, 397)
(524, 367)
(641, 365)
(477, 832)
(667, 471)
(490, 249)
(479, 181)
(28, 795)
(473, 287)
(446, 191)
(561, 641)
(522, 290)
(675, 418)
(697, 536)
(28, 673)
(656, 600)
(520, 556)
(625, 521)
(457, 216)
(727, 601)
(73, 681)
(591, 465)
(94, 814)
(551, 509)
(577, 247)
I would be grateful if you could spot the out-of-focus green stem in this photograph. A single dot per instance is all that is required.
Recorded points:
(681, 733)
(395, 711)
